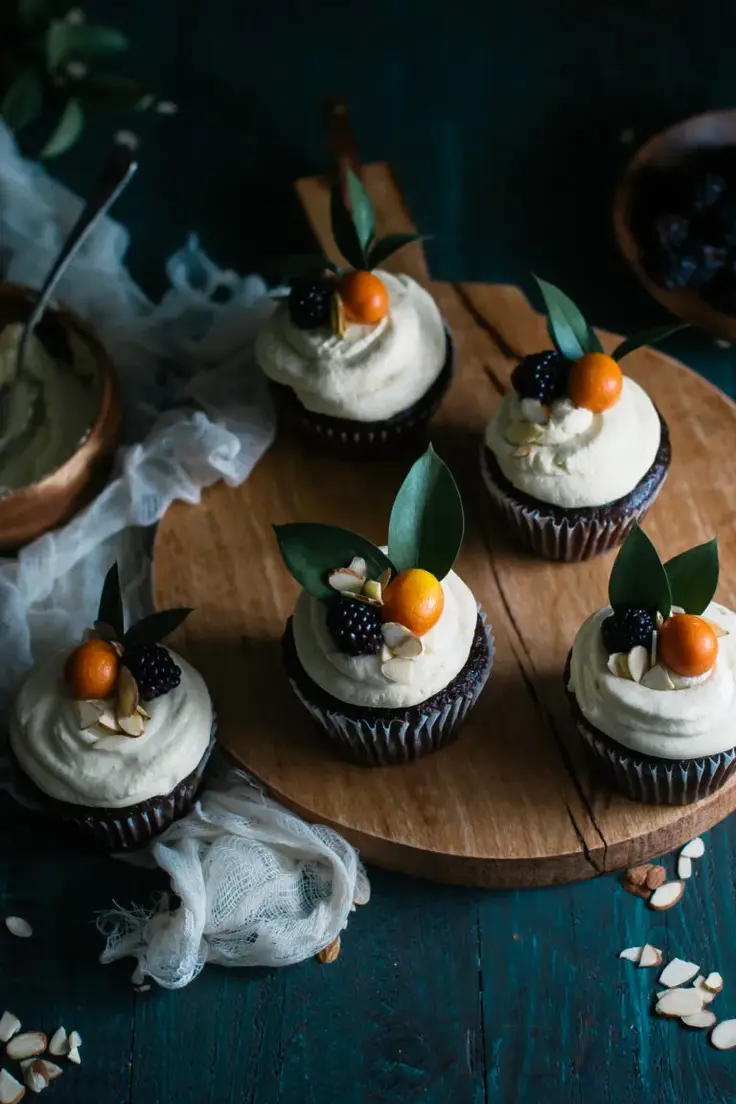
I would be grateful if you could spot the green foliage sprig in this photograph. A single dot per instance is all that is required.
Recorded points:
(639, 579)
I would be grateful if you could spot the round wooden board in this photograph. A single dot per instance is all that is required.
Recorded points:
(514, 801)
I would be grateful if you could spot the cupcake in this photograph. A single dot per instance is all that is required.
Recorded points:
(577, 452)
(387, 649)
(113, 735)
(359, 359)
(651, 677)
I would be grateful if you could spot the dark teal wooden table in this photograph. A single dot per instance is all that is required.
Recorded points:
(507, 125)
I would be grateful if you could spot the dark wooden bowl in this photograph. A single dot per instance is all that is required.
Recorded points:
(31, 511)
(713, 130)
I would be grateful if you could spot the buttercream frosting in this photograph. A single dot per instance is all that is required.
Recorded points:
(580, 458)
(698, 720)
(371, 373)
(93, 767)
(358, 680)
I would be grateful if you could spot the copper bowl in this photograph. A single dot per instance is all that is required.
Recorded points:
(31, 511)
(714, 130)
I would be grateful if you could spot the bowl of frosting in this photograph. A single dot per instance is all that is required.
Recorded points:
(62, 418)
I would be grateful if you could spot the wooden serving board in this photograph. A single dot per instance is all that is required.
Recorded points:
(514, 801)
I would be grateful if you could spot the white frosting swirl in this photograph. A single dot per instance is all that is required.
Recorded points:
(73, 765)
(581, 459)
(358, 680)
(670, 724)
(371, 373)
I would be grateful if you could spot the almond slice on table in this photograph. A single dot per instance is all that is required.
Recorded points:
(51, 1069)
(684, 867)
(656, 876)
(714, 982)
(26, 1045)
(695, 849)
(678, 972)
(11, 1091)
(637, 875)
(34, 1074)
(631, 954)
(679, 1002)
(666, 896)
(59, 1044)
(650, 956)
(74, 1056)
(75, 1040)
(9, 1026)
(19, 927)
(707, 994)
(706, 1018)
(723, 1035)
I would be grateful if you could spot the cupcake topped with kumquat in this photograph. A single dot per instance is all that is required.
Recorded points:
(577, 452)
(387, 648)
(358, 357)
(652, 676)
(113, 734)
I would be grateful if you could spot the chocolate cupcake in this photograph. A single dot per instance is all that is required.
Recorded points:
(387, 649)
(576, 454)
(651, 678)
(113, 736)
(358, 360)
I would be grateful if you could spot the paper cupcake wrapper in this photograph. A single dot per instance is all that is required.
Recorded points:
(353, 439)
(391, 742)
(665, 782)
(562, 538)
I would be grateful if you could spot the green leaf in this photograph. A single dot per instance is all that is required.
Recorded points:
(65, 41)
(389, 245)
(23, 100)
(638, 577)
(32, 12)
(344, 231)
(111, 602)
(427, 522)
(646, 337)
(110, 92)
(298, 264)
(693, 577)
(67, 131)
(311, 550)
(361, 211)
(156, 627)
(569, 331)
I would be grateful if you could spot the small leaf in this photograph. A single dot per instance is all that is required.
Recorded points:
(389, 245)
(110, 92)
(67, 131)
(23, 100)
(311, 551)
(569, 331)
(298, 264)
(361, 210)
(155, 627)
(693, 577)
(427, 522)
(111, 602)
(343, 230)
(638, 577)
(646, 337)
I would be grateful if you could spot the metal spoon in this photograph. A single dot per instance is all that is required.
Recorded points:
(117, 171)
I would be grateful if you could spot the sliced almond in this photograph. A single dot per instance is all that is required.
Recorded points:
(657, 678)
(19, 927)
(127, 695)
(637, 661)
(384, 578)
(533, 411)
(678, 972)
(26, 1045)
(345, 581)
(631, 954)
(637, 875)
(614, 664)
(330, 953)
(398, 670)
(88, 713)
(372, 589)
(143, 712)
(723, 1035)
(522, 451)
(358, 566)
(666, 896)
(34, 1075)
(395, 634)
(367, 599)
(74, 1056)
(706, 1018)
(132, 726)
(695, 849)
(714, 982)
(684, 867)
(656, 876)
(59, 1043)
(108, 720)
(75, 1039)
(707, 994)
(51, 1070)
(9, 1026)
(11, 1091)
(409, 648)
(653, 649)
(650, 956)
(523, 433)
(679, 1002)
(718, 630)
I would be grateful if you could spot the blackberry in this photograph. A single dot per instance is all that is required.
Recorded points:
(355, 627)
(541, 376)
(626, 628)
(153, 668)
(310, 303)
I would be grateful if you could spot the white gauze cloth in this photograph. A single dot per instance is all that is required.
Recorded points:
(257, 885)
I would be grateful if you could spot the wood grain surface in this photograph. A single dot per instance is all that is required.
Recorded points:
(513, 802)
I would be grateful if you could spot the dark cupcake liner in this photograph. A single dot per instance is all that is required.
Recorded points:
(575, 534)
(400, 736)
(367, 440)
(130, 827)
(646, 778)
